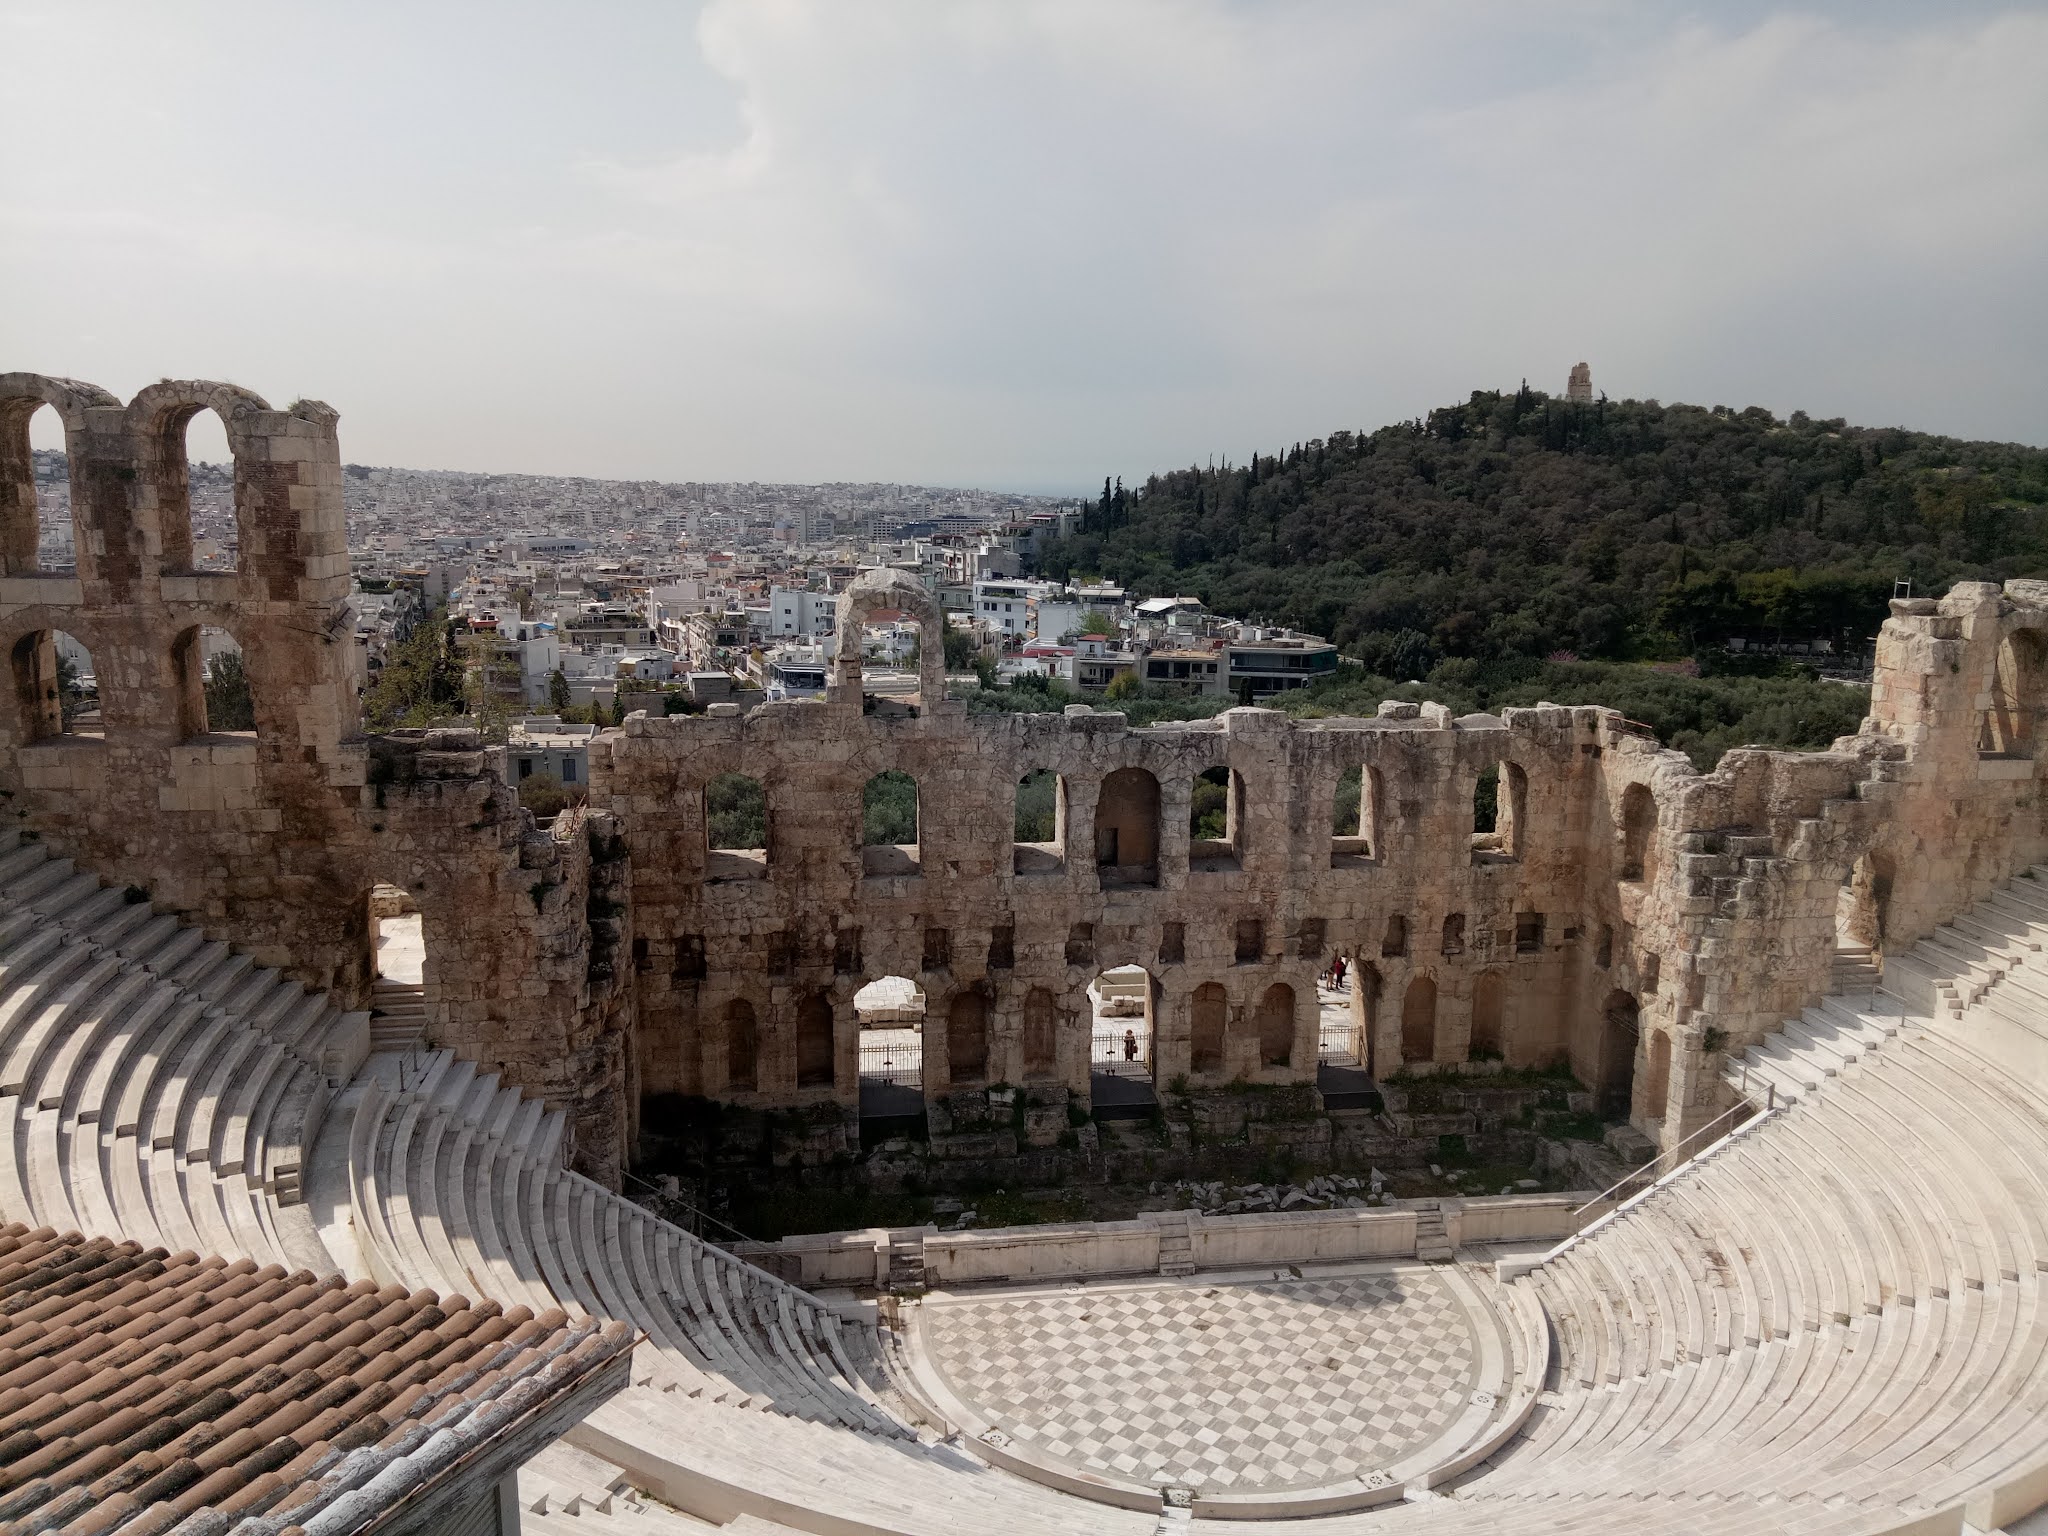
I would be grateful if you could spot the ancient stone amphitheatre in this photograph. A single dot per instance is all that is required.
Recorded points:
(1816, 981)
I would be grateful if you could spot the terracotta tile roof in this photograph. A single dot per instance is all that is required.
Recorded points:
(142, 1390)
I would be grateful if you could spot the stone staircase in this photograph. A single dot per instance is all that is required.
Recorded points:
(1856, 969)
(906, 1263)
(1176, 1248)
(1432, 1240)
(398, 1015)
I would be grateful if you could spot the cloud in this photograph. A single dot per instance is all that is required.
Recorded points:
(1026, 242)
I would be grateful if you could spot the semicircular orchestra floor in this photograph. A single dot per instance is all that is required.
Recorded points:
(1241, 1385)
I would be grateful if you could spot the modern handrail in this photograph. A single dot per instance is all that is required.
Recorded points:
(691, 1206)
(1735, 1109)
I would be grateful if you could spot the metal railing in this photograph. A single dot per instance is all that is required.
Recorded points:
(696, 1213)
(895, 1060)
(1107, 1047)
(1668, 1160)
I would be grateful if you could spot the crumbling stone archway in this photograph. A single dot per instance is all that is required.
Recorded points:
(1127, 828)
(159, 417)
(2019, 679)
(896, 591)
(21, 396)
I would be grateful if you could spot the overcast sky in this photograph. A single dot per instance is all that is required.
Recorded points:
(1020, 243)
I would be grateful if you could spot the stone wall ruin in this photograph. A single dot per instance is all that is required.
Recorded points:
(1626, 914)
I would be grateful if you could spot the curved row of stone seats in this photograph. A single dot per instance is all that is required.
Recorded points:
(154, 1084)
(452, 1176)
(1843, 1301)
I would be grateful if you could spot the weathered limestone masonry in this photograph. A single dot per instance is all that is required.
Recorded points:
(273, 838)
(1629, 915)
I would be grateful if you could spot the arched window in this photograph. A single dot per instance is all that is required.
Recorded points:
(889, 824)
(1039, 839)
(2007, 727)
(814, 1046)
(1638, 831)
(1354, 818)
(36, 530)
(967, 1037)
(735, 827)
(1487, 1009)
(1041, 1035)
(742, 1047)
(1418, 1021)
(1208, 1013)
(1127, 829)
(1216, 820)
(55, 687)
(1120, 1034)
(209, 684)
(1276, 1026)
(1454, 934)
(195, 487)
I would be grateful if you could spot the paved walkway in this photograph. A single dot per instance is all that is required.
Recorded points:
(1224, 1387)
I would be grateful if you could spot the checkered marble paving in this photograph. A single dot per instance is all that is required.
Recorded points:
(1287, 1384)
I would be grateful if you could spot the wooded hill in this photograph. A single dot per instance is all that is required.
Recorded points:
(1518, 526)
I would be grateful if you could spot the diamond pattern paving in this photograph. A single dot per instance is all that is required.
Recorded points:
(1289, 1384)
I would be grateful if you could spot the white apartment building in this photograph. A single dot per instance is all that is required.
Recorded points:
(1009, 607)
(795, 614)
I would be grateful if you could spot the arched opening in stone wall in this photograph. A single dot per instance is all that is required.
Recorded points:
(1208, 1019)
(1418, 1021)
(1275, 1023)
(1657, 1086)
(1488, 1010)
(1354, 819)
(210, 685)
(1620, 1023)
(1500, 799)
(1127, 829)
(967, 1037)
(889, 825)
(742, 1047)
(1638, 831)
(1041, 1036)
(1863, 906)
(1216, 820)
(1122, 1017)
(398, 968)
(735, 828)
(1039, 837)
(196, 492)
(816, 1057)
(2006, 729)
(35, 490)
(56, 689)
(1454, 934)
(1395, 942)
(890, 1013)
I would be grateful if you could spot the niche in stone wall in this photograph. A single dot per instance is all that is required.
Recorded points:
(735, 828)
(1127, 829)
(815, 1056)
(1638, 831)
(889, 825)
(1216, 821)
(1488, 1000)
(1354, 816)
(1418, 1021)
(1041, 1036)
(1208, 1016)
(742, 1047)
(1395, 942)
(1657, 1085)
(1454, 934)
(1040, 834)
(967, 1037)
(1275, 1023)
(56, 688)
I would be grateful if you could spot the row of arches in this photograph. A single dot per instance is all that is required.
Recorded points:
(180, 429)
(1127, 811)
(57, 685)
